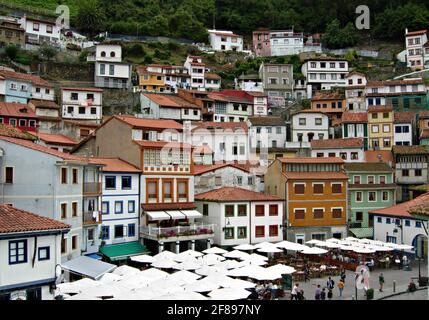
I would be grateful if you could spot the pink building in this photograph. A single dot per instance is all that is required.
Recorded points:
(261, 43)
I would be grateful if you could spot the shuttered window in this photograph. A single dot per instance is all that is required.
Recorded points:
(260, 231)
(274, 210)
(299, 188)
(337, 188)
(259, 210)
(318, 188)
(274, 230)
(337, 213)
(299, 214)
(318, 213)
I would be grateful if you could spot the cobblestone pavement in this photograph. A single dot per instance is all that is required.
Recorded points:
(418, 295)
(401, 277)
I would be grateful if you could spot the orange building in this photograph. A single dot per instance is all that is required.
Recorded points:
(333, 103)
(315, 190)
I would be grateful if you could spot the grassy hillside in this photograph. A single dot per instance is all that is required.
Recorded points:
(46, 7)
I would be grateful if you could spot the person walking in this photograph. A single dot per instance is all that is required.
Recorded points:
(330, 283)
(341, 284)
(274, 290)
(381, 281)
(343, 275)
(317, 292)
(294, 292)
(306, 273)
(323, 294)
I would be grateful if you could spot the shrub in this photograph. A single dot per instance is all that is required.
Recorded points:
(11, 51)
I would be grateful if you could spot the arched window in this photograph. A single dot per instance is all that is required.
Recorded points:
(103, 53)
(112, 54)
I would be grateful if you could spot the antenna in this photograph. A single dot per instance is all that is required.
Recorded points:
(214, 20)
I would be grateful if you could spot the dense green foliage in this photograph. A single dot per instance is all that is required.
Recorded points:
(190, 18)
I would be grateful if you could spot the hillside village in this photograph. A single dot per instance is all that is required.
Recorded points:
(112, 149)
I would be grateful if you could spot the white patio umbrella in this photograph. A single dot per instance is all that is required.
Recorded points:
(264, 244)
(207, 270)
(346, 248)
(260, 273)
(184, 277)
(255, 256)
(330, 245)
(165, 254)
(229, 294)
(201, 286)
(188, 265)
(236, 254)
(403, 247)
(351, 239)
(288, 245)
(164, 263)
(80, 285)
(333, 240)
(83, 296)
(154, 273)
(269, 249)
(244, 247)
(376, 242)
(282, 269)
(68, 287)
(238, 272)
(102, 290)
(109, 278)
(192, 253)
(314, 241)
(228, 264)
(215, 250)
(186, 295)
(314, 250)
(162, 287)
(219, 279)
(362, 250)
(125, 271)
(211, 259)
(379, 248)
(144, 258)
(238, 284)
(364, 240)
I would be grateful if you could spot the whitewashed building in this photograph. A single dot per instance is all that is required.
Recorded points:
(350, 149)
(221, 40)
(241, 216)
(82, 104)
(39, 31)
(355, 91)
(29, 254)
(196, 69)
(308, 125)
(417, 49)
(403, 126)
(268, 132)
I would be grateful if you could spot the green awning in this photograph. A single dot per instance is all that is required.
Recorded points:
(362, 232)
(123, 250)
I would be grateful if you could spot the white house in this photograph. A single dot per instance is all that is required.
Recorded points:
(308, 125)
(249, 83)
(396, 225)
(58, 142)
(40, 31)
(350, 149)
(417, 49)
(241, 216)
(30, 251)
(196, 69)
(404, 123)
(230, 107)
(82, 104)
(225, 40)
(268, 132)
(120, 205)
(324, 73)
(355, 91)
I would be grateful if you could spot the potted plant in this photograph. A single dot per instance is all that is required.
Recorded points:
(370, 294)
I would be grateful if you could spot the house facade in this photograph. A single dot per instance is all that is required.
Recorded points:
(39, 31)
(241, 216)
(380, 127)
(306, 126)
(350, 149)
(404, 126)
(355, 125)
(277, 79)
(18, 115)
(355, 92)
(268, 132)
(82, 104)
(225, 40)
(417, 50)
(12, 33)
(47, 112)
(163, 78)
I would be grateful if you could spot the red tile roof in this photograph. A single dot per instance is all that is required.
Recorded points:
(212, 76)
(13, 220)
(404, 117)
(320, 95)
(315, 175)
(9, 131)
(312, 160)
(377, 155)
(410, 149)
(114, 164)
(162, 144)
(46, 104)
(234, 194)
(424, 114)
(416, 33)
(150, 123)
(168, 206)
(402, 210)
(201, 169)
(25, 77)
(83, 89)
(170, 101)
(59, 139)
(353, 117)
(337, 143)
(372, 109)
(47, 150)
(13, 109)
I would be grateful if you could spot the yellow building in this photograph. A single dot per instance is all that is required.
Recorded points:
(380, 127)
(151, 78)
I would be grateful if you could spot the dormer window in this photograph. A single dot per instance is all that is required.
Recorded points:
(112, 54)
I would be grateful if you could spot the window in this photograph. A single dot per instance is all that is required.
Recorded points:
(405, 173)
(205, 209)
(337, 188)
(259, 210)
(241, 232)
(229, 233)
(82, 110)
(182, 188)
(379, 219)
(32, 123)
(372, 197)
(131, 206)
(318, 121)
(126, 182)
(74, 176)
(418, 224)
(318, 188)
(111, 69)
(17, 251)
(70, 109)
(131, 230)
(299, 214)
(299, 188)
(337, 213)
(63, 245)
(119, 207)
(356, 179)
(44, 253)
(386, 142)
(36, 26)
(74, 242)
(302, 121)
(387, 220)
(105, 232)
(119, 231)
(320, 155)
(386, 128)
(49, 29)
(407, 223)
(274, 210)
(8, 175)
(22, 122)
(63, 175)
(359, 216)
(418, 172)
(229, 210)
(359, 196)
(93, 110)
(110, 182)
(343, 155)
(218, 181)
(374, 128)
(391, 239)
(318, 213)
(105, 207)
(63, 210)
(242, 210)
(259, 231)
(273, 231)
(382, 179)
(370, 179)
(74, 209)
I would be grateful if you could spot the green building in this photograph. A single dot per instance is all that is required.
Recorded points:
(355, 125)
(371, 187)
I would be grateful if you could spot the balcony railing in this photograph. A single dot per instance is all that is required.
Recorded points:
(92, 188)
(192, 231)
(92, 217)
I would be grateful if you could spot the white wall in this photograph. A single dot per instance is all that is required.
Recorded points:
(310, 126)
(44, 94)
(120, 70)
(348, 151)
(399, 136)
(267, 221)
(108, 49)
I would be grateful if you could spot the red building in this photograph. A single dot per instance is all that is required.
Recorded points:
(18, 115)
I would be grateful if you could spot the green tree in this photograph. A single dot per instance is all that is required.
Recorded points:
(47, 52)
(11, 51)
(90, 17)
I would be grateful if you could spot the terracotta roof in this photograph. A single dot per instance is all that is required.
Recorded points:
(47, 150)
(25, 77)
(201, 64)
(416, 33)
(234, 194)
(315, 175)
(203, 149)
(351, 117)
(82, 89)
(114, 164)
(357, 73)
(377, 155)
(46, 104)
(257, 94)
(267, 121)
(320, 95)
(170, 101)
(210, 125)
(13, 220)
(59, 139)
(404, 117)
(168, 206)
(424, 114)
(212, 76)
(374, 83)
(309, 111)
(12, 132)
(201, 169)
(424, 134)
(403, 81)
(162, 144)
(13, 109)
(220, 33)
(337, 143)
(410, 149)
(379, 109)
(312, 160)
(367, 167)
(150, 123)
(403, 209)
